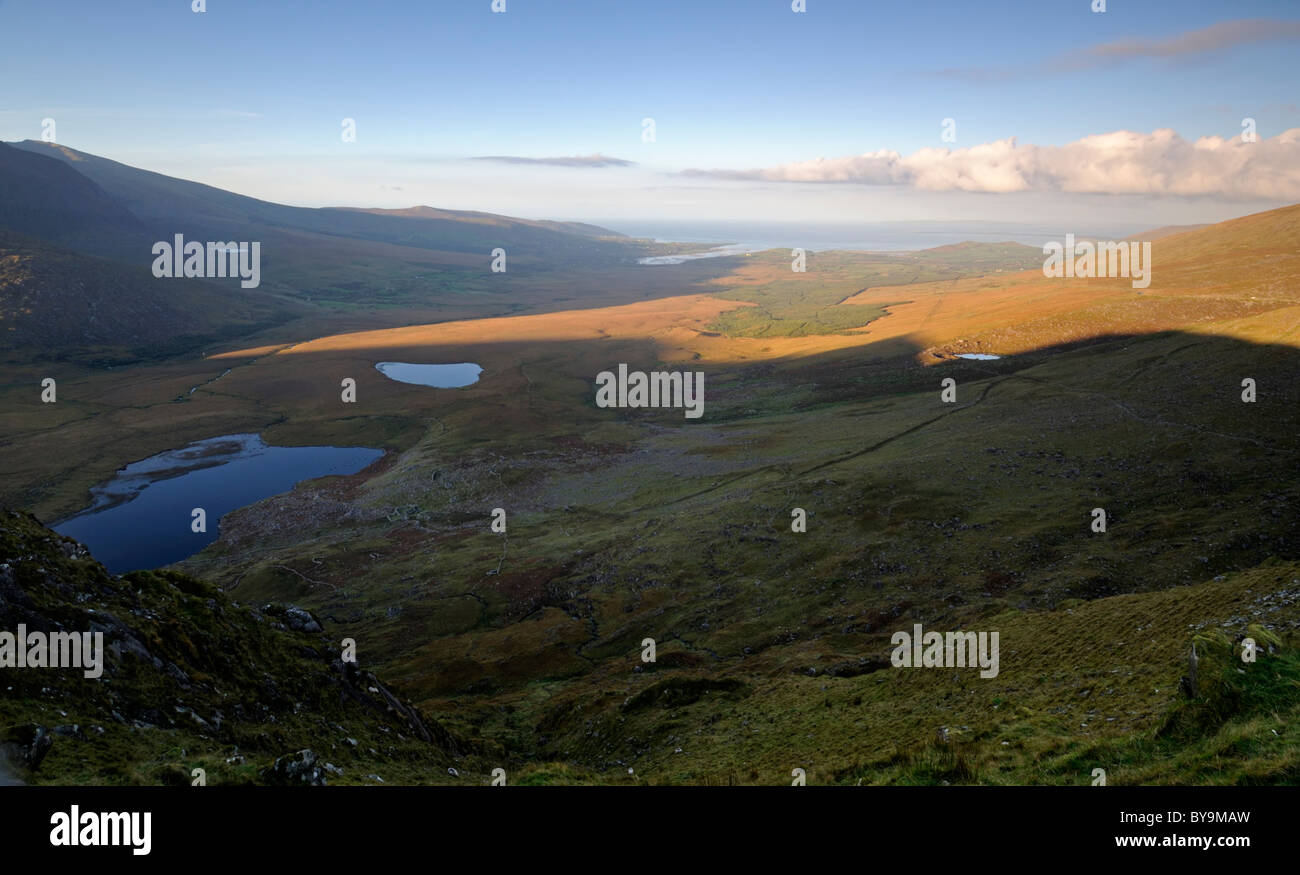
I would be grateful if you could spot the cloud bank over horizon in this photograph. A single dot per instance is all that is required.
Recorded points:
(1161, 163)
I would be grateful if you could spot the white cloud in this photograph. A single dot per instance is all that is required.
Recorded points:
(1160, 163)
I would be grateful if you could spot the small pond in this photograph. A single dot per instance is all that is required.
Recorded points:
(441, 376)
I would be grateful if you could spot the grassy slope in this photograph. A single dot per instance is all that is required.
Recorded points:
(808, 303)
(191, 680)
(56, 304)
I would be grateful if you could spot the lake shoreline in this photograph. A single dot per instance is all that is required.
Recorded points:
(165, 508)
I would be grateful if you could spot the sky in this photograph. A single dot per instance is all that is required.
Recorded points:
(1058, 113)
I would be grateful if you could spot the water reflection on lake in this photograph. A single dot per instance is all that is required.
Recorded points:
(142, 517)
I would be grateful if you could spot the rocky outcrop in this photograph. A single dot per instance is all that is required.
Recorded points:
(25, 746)
(235, 682)
(303, 767)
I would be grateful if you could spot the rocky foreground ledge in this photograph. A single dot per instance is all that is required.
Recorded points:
(191, 687)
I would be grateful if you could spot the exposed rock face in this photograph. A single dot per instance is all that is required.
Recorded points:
(358, 686)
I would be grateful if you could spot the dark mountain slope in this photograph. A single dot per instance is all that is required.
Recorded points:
(60, 304)
(191, 680)
(46, 198)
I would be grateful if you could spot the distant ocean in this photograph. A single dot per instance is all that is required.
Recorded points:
(875, 237)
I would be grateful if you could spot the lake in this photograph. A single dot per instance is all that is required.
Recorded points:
(141, 518)
(978, 356)
(441, 376)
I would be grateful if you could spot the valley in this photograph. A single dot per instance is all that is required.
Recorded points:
(803, 400)
(631, 523)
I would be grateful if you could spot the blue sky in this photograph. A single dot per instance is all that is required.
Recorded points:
(251, 95)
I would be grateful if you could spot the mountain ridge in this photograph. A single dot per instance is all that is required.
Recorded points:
(168, 204)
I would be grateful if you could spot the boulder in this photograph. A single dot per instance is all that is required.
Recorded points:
(300, 620)
(26, 745)
(297, 768)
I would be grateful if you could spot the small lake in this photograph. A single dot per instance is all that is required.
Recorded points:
(441, 376)
(141, 518)
(978, 356)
